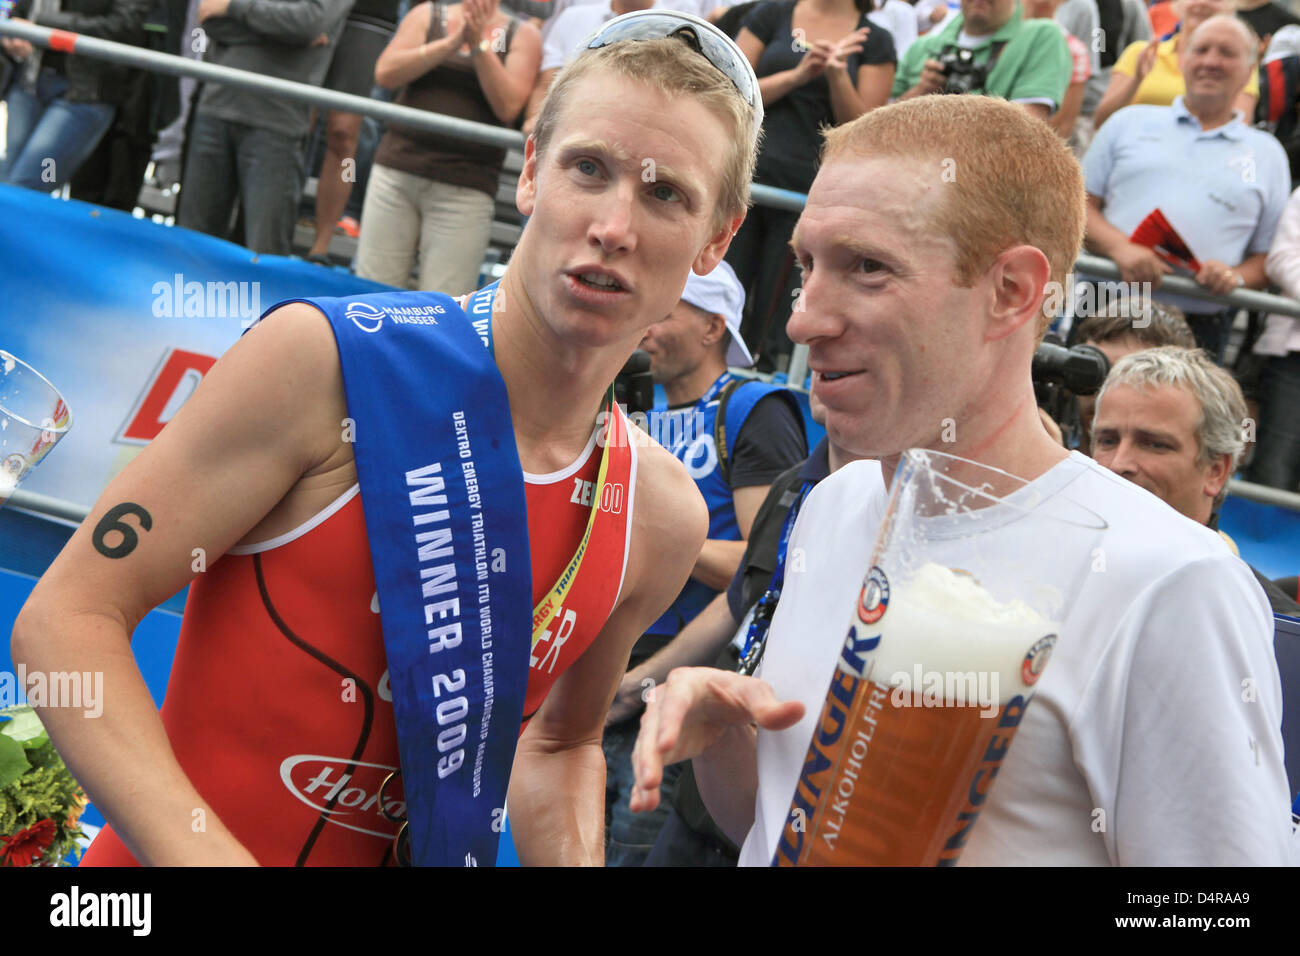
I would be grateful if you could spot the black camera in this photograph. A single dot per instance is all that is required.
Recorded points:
(962, 73)
(1062, 374)
(634, 388)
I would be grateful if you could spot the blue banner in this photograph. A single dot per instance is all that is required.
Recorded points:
(124, 316)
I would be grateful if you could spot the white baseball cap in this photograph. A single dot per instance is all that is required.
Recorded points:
(720, 293)
(1285, 42)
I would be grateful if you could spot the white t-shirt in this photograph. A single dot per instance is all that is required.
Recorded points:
(558, 8)
(1140, 713)
(922, 10)
(568, 28)
(578, 19)
(900, 20)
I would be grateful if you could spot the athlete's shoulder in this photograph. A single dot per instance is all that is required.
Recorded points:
(671, 518)
(1159, 537)
(294, 347)
(854, 487)
(296, 331)
(669, 523)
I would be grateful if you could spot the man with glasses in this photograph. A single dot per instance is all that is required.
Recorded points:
(496, 476)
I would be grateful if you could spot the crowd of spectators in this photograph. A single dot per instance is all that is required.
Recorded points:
(1183, 114)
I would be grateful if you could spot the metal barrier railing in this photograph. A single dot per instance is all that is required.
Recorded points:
(48, 506)
(1242, 298)
(124, 53)
(1264, 494)
(66, 42)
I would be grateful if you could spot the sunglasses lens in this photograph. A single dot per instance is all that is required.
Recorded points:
(701, 39)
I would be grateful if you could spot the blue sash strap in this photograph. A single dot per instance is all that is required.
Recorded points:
(443, 495)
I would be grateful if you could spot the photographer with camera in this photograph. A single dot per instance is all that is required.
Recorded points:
(1067, 380)
(735, 436)
(991, 49)
(1115, 334)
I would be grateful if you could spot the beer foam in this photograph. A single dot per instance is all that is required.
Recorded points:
(947, 624)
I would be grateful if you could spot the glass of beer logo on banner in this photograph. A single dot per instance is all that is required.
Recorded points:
(947, 640)
(33, 417)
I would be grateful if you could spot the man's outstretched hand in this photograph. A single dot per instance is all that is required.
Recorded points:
(690, 713)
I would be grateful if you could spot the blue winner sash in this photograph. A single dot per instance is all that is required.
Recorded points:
(443, 494)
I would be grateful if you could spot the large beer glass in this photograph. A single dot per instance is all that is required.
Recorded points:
(33, 417)
(972, 574)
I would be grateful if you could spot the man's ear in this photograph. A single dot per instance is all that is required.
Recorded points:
(1217, 475)
(716, 331)
(716, 248)
(1019, 276)
(526, 190)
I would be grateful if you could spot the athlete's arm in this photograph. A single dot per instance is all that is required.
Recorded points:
(251, 430)
(557, 787)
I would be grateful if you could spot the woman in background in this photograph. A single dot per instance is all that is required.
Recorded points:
(60, 105)
(899, 18)
(429, 194)
(819, 63)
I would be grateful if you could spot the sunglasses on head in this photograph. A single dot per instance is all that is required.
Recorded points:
(700, 35)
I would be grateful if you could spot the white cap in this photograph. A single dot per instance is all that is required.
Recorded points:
(720, 293)
(1285, 42)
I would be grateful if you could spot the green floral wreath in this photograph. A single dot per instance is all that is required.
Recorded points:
(40, 802)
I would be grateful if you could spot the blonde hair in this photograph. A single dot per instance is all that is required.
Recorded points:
(669, 65)
(1009, 180)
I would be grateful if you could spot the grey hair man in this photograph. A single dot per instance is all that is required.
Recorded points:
(1171, 421)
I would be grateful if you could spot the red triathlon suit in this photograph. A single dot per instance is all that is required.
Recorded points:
(278, 707)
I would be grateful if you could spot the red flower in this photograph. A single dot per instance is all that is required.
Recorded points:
(28, 845)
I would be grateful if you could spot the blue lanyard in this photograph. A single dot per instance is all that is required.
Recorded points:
(756, 638)
(716, 387)
(698, 408)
